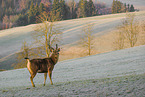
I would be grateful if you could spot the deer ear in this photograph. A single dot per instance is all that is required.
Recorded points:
(58, 49)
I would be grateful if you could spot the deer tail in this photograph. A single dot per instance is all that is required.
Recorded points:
(29, 65)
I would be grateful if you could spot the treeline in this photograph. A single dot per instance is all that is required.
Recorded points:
(119, 7)
(24, 12)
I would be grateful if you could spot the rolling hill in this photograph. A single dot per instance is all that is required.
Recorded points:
(11, 39)
(116, 73)
(120, 72)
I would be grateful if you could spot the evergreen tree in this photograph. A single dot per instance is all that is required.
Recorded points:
(114, 7)
(41, 8)
(59, 10)
(56, 10)
(82, 8)
(125, 7)
(132, 8)
(117, 7)
(10, 11)
(86, 7)
(36, 12)
(0, 2)
(6, 12)
(3, 4)
(55, 6)
(72, 8)
(22, 20)
(91, 8)
(31, 16)
(6, 19)
(128, 7)
(62, 9)
(0, 11)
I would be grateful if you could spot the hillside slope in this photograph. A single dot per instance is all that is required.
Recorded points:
(11, 39)
(113, 64)
(118, 73)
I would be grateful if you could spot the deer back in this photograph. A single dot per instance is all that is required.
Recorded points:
(41, 65)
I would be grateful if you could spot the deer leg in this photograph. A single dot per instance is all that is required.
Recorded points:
(50, 74)
(45, 77)
(31, 78)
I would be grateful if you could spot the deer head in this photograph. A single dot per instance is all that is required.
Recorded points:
(55, 53)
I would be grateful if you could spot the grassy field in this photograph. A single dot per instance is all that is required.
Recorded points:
(117, 73)
(125, 86)
(111, 74)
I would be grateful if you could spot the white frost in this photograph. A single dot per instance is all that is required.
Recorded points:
(112, 64)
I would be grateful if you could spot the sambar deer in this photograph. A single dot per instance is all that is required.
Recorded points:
(44, 65)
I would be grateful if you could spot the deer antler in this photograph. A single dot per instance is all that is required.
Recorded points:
(56, 46)
(50, 47)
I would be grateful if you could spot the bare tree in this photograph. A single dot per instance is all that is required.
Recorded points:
(128, 31)
(142, 34)
(119, 41)
(24, 52)
(131, 29)
(87, 37)
(46, 33)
